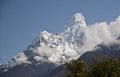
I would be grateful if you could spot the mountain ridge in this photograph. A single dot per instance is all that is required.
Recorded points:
(49, 51)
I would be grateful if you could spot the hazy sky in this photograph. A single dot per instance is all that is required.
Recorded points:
(22, 20)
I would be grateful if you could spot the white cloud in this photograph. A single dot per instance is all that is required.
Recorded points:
(115, 27)
(101, 32)
(104, 31)
(44, 51)
(21, 58)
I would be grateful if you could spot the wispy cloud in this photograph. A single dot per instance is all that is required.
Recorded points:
(101, 32)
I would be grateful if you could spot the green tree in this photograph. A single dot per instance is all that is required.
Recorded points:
(77, 69)
(105, 67)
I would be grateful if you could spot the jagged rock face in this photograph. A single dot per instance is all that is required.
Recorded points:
(49, 51)
(63, 44)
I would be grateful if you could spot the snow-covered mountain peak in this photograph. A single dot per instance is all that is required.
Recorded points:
(63, 44)
(55, 48)
(78, 18)
(48, 49)
(45, 34)
(75, 34)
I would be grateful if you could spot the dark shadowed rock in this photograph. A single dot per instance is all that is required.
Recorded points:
(102, 51)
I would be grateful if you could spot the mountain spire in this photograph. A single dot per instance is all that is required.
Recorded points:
(79, 18)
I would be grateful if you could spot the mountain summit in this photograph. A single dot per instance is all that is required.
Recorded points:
(62, 47)
(79, 18)
(48, 50)
(56, 49)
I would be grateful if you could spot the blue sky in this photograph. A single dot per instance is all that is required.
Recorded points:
(22, 20)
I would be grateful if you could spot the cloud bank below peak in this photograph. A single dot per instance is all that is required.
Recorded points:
(114, 27)
(101, 32)
(106, 31)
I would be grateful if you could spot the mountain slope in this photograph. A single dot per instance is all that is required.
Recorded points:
(102, 50)
(49, 51)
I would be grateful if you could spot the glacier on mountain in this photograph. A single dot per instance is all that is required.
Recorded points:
(69, 44)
